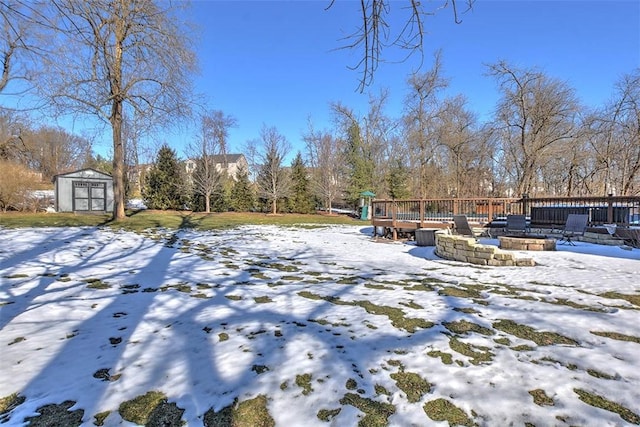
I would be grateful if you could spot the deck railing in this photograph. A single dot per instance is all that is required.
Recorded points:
(619, 210)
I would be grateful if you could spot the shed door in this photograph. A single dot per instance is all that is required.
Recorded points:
(89, 196)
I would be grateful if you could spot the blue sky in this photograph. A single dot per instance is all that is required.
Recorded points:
(277, 62)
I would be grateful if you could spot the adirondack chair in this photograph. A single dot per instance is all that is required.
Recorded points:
(516, 224)
(461, 226)
(575, 226)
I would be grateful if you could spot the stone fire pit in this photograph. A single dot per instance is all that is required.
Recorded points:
(527, 242)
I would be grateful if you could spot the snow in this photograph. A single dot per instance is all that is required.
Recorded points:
(170, 324)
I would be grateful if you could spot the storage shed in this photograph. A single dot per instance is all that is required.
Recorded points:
(84, 191)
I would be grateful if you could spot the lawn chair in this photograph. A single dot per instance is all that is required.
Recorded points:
(461, 226)
(575, 226)
(516, 224)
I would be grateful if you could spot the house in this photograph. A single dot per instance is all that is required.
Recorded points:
(229, 163)
(83, 191)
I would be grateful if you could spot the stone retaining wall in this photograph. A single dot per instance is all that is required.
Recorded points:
(466, 249)
(601, 239)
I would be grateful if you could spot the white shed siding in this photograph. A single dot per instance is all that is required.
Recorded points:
(86, 190)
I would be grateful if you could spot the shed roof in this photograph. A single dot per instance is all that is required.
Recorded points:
(84, 173)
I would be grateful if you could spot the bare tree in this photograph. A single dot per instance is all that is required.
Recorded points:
(325, 162)
(535, 114)
(112, 57)
(457, 135)
(614, 136)
(212, 142)
(374, 34)
(273, 179)
(421, 120)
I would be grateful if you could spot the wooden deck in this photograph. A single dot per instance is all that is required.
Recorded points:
(400, 218)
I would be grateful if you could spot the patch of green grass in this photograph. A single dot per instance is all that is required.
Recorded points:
(304, 382)
(248, 413)
(412, 304)
(569, 303)
(529, 333)
(503, 341)
(466, 310)
(151, 219)
(223, 336)
(395, 315)
(9, 403)
(138, 409)
(469, 350)
(463, 327)
(200, 295)
(608, 405)
(617, 336)
(16, 276)
(540, 398)
(351, 384)
(380, 390)
(348, 280)
(376, 413)
(100, 417)
(632, 298)
(412, 384)
(327, 415)
(443, 410)
(262, 300)
(446, 358)
(598, 374)
(233, 297)
(278, 266)
(94, 283)
(463, 291)
(378, 286)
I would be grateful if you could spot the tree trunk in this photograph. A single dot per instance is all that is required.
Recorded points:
(118, 163)
(207, 202)
(274, 206)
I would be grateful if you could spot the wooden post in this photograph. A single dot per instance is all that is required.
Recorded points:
(610, 209)
(490, 210)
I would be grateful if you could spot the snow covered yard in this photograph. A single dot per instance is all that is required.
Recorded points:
(310, 326)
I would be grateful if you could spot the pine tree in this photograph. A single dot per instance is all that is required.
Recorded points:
(165, 184)
(359, 164)
(300, 199)
(242, 197)
(397, 180)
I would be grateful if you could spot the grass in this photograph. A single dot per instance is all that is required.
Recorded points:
(248, 413)
(529, 333)
(142, 220)
(412, 384)
(444, 410)
(140, 408)
(603, 403)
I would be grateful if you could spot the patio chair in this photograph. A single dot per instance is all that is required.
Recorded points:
(516, 224)
(461, 226)
(575, 226)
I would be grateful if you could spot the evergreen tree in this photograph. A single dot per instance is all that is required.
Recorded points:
(165, 183)
(242, 197)
(360, 165)
(300, 199)
(397, 180)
